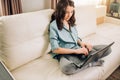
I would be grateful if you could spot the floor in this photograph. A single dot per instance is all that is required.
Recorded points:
(115, 75)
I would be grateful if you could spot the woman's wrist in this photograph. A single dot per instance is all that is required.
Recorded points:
(74, 51)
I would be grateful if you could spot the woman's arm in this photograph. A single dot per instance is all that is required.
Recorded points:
(71, 51)
(80, 43)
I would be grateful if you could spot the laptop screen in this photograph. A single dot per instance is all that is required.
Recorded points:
(4, 73)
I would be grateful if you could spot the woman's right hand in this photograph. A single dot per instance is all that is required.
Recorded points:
(82, 50)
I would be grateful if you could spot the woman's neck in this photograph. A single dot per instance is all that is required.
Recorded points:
(66, 24)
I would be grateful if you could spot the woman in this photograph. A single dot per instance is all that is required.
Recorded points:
(66, 46)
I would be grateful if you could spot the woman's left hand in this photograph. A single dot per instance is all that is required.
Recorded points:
(86, 45)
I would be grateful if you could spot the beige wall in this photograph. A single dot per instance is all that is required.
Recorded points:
(35, 5)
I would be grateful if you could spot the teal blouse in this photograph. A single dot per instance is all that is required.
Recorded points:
(62, 38)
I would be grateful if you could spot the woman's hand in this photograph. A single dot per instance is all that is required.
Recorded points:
(86, 45)
(82, 50)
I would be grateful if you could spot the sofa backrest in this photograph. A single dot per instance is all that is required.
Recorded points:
(85, 20)
(0, 37)
(25, 36)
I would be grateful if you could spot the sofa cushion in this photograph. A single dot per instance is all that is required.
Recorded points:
(46, 68)
(25, 37)
(40, 69)
(85, 20)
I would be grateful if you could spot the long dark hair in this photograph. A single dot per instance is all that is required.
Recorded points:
(60, 11)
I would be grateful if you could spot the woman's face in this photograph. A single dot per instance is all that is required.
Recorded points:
(69, 12)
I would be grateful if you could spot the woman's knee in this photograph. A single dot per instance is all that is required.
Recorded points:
(107, 52)
(69, 69)
(98, 47)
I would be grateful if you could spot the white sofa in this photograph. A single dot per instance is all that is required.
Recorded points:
(24, 45)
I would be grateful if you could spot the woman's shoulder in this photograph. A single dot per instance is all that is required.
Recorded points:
(53, 24)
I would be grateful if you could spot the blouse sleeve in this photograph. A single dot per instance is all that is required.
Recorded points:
(53, 36)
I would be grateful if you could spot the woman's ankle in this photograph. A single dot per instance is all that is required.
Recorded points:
(96, 63)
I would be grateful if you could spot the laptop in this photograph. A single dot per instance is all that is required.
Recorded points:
(5, 73)
(93, 56)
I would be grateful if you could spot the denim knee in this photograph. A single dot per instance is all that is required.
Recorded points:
(107, 52)
(69, 69)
